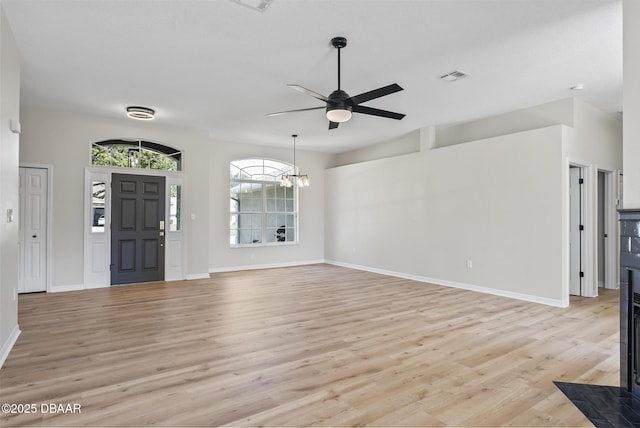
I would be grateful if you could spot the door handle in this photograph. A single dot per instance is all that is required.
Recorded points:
(162, 244)
(34, 236)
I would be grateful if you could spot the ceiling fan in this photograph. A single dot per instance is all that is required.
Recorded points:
(340, 105)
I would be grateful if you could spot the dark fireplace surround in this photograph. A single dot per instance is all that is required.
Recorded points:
(630, 300)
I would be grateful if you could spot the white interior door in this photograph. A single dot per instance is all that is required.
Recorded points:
(33, 230)
(575, 242)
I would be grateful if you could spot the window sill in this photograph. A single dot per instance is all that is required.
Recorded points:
(268, 244)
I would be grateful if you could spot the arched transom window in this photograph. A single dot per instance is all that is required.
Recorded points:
(262, 212)
(136, 154)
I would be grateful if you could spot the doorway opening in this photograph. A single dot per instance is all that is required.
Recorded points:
(159, 252)
(592, 227)
(576, 230)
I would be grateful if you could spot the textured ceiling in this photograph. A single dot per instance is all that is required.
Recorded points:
(219, 66)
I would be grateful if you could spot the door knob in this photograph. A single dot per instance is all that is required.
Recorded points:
(34, 236)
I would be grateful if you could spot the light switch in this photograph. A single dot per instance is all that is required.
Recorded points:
(9, 215)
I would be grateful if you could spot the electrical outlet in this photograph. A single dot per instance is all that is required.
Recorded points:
(469, 264)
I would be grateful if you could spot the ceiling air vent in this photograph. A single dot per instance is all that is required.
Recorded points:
(259, 5)
(454, 75)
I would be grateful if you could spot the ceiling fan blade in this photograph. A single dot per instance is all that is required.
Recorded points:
(278, 113)
(376, 93)
(377, 112)
(309, 92)
(333, 125)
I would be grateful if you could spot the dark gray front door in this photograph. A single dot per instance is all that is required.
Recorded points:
(137, 228)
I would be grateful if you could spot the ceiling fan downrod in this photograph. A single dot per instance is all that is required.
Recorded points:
(339, 43)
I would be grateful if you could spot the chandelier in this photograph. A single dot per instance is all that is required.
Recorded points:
(287, 180)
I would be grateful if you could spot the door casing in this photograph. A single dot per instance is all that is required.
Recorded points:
(97, 246)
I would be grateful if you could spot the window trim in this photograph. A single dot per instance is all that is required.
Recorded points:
(287, 169)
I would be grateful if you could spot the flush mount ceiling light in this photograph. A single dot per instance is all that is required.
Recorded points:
(286, 180)
(140, 113)
(578, 87)
(259, 5)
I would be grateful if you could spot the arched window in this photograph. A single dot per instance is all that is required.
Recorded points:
(136, 154)
(262, 212)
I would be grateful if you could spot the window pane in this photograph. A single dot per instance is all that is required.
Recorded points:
(270, 190)
(233, 205)
(261, 203)
(245, 236)
(233, 229)
(280, 234)
(100, 156)
(175, 191)
(244, 197)
(245, 221)
(135, 154)
(98, 194)
(290, 221)
(272, 220)
(256, 221)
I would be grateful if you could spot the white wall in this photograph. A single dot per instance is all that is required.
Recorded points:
(597, 137)
(559, 112)
(631, 103)
(405, 144)
(63, 140)
(9, 109)
(500, 202)
(495, 202)
(310, 208)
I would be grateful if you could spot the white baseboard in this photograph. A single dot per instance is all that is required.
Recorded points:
(92, 287)
(265, 266)
(62, 288)
(198, 276)
(463, 286)
(7, 346)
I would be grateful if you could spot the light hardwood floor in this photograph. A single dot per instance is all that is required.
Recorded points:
(315, 345)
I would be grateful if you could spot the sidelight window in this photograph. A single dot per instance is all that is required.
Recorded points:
(261, 211)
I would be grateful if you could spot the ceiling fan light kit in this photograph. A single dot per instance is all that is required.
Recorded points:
(340, 105)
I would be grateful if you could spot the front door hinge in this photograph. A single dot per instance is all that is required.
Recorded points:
(581, 227)
(581, 274)
(581, 181)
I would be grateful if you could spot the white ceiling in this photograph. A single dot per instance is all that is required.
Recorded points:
(219, 66)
